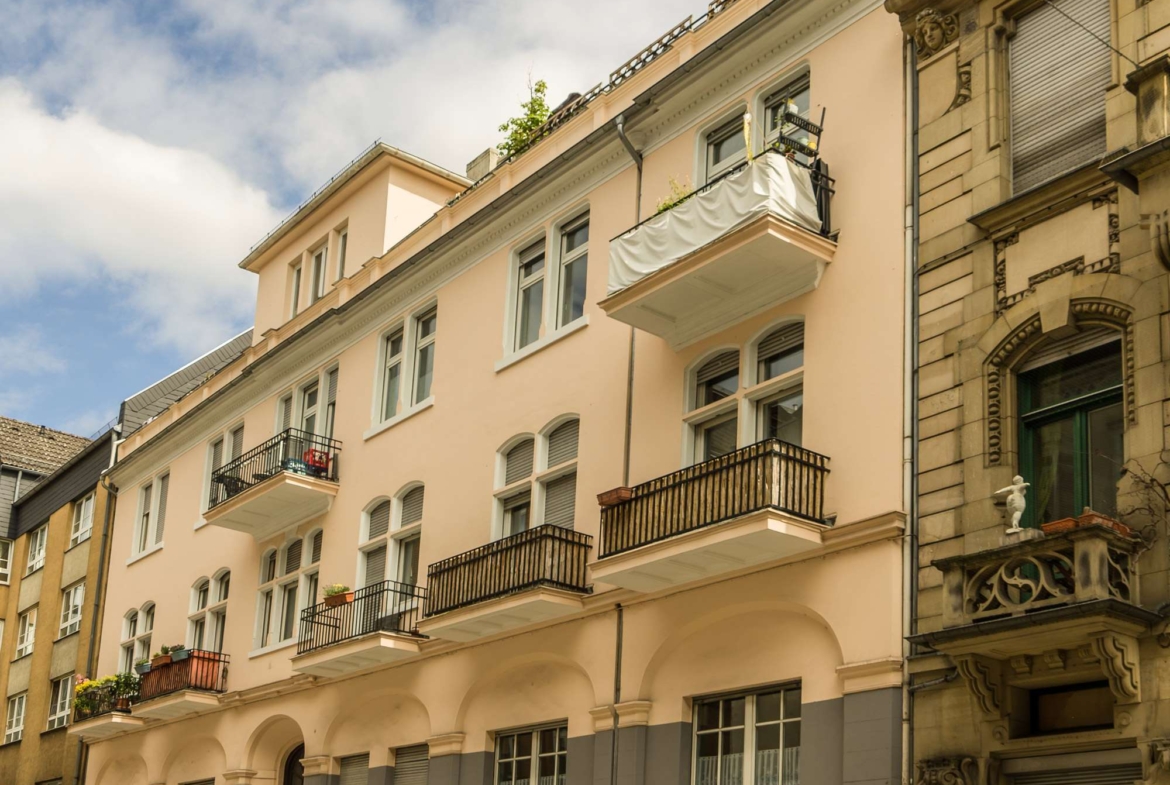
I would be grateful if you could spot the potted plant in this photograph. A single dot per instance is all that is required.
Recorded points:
(179, 653)
(125, 690)
(337, 594)
(161, 657)
(142, 666)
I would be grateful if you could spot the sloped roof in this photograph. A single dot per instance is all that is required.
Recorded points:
(35, 448)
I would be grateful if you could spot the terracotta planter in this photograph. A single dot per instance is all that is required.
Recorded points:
(1087, 518)
(335, 600)
(159, 661)
(122, 704)
(615, 496)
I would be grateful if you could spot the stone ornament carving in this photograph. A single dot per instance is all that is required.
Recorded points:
(1119, 661)
(962, 87)
(1159, 760)
(933, 31)
(947, 771)
(1020, 584)
(983, 682)
(1159, 225)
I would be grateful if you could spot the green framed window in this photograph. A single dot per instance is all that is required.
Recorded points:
(1072, 423)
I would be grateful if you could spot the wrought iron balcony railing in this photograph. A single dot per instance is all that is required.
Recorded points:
(388, 606)
(547, 555)
(203, 671)
(291, 450)
(99, 701)
(767, 475)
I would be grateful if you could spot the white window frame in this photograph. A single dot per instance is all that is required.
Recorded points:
(82, 519)
(60, 702)
(26, 632)
(563, 260)
(318, 266)
(536, 483)
(700, 418)
(5, 562)
(396, 534)
(407, 403)
(562, 733)
(38, 540)
(296, 273)
(146, 526)
(522, 257)
(72, 604)
(271, 597)
(14, 718)
(724, 129)
(749, 727)
(225, 439)
(342, 251)
(321, 421)
(756, 393)
(209, 611)
(768, 97)
(422, 342)
(392, 361)
(137, 628)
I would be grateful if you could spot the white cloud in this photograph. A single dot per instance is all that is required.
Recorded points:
(24, 351)
(166, 225)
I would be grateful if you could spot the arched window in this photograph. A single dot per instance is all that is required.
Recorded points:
(715, 385)
(391, 536)
(288, 583)
(516, 494)
(538, 479)
(1072, 422)
(778, 395)
(207, 618)
(137, 626)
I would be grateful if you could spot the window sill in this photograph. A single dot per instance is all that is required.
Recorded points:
(9, 743)
(20, 657)
(70, 635)
(405, 414)
(34, 571)
(140, 556)
(79, 543)
(542, 343)
(273, 648)
(58, 729)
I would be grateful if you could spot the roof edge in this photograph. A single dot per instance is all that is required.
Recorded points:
(69, 464)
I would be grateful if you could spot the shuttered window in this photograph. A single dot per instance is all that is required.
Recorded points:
(780, 351)
(286, 407)
(411, 765)
(560, 499)
(237, 442)
(717, 378)
(164, 484)
(379, 520)
(518, 464)
(1120, 774)
(562, 443)
(317, 547)
(355, 770)
(292, 557)
(217, 454)
(1058, 74)
(330, 402)
(412, 506)
(376, 565)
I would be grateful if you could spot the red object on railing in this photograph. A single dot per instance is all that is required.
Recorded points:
(316, 459)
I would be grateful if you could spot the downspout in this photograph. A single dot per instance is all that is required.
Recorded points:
(910, 416)
(91, 656)
(617, 693)
(621, 132)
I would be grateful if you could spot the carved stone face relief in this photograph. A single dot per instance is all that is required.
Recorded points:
(933, 31)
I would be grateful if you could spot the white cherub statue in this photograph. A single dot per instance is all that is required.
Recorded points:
(1015, 501)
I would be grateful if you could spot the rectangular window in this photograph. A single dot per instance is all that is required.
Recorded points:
(82, 520)
(330, 402)
(14, 724)
(60, 701)
(782, 417)
(26, 632)
(424, 366)
(748, 739)
(725, 147)
(5, 561)
(1058, 77)
(530, 294)
(144, 518)
(36, 548)
(309, 398)
(218, 623)
(542, 752)
(295, 295)
(317, 285)
(72, 600)
(517, 514)
(791, 99)
(408, 560)
(265, 618)
(574, 270)
(355, 770)
(342, 247)
(288, 607)
(716, 437)
(392, 375)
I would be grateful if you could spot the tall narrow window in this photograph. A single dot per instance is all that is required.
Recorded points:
(530, 294)
(574, 269)
(309, 396)
(26, 632)
(1072, 426)
(36, 548)
(14, 722)
(82, 520)
(716, 380)
(392, 375)
(72, 600)
(285, 412)
(424, 366)
(330, 402)
(5, 561)
(317, 284)
(517, 501)
(60, 701)
(408, 536)
(152, 512)
(342, 247)
(780, 415)
(725, 147)
(542, 752)
(295, 295)
(559, 481)
(374, 551)
(287, 585)
(1058, 72)
(748, 739)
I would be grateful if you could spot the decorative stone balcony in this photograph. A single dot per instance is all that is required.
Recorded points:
(753, 237)
(372, 626)
(290, 478)
(524, 579)
(107, 714)
(758, 504)
(187, 686)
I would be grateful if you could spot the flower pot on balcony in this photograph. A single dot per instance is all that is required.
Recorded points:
(615, 496)
(180, 654)
(1087, 518)
(335, 600)
(161, 660)
(142, 668)
(122, 704)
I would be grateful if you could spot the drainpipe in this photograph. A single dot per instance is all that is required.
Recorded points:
(91, 655)
(910, 415)
(621, 132)
(617, 693)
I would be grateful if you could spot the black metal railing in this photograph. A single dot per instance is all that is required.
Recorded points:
(291, 450)
(818, 170)
(767, 475)
(388, 606)
(106, 699)
(205, 671)
(545, 556)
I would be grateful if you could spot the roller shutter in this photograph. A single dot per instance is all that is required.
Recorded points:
(355, 770)
(412, 506)
(562, 443)
(1120, 774)
(560, 498)
(518, 464)
(411, 765)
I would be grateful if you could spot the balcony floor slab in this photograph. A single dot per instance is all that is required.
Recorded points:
(502, 614)
(177, 704)
(368, 651)
(756, 538)
(105, 725)
(283, 500)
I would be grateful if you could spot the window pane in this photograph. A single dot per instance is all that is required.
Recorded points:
(733, 712)
(777, 364)
(791, 762)
(505, 773)
(791, 703)
(708, 715)
(783, 418)
(707, 760)
(548, 741)
(573, 290)
(523, 771)
(524, 745)
(1106, 427)
(727, 147)
(507, 746)
(768, 707)
(390, 392)
(426, 362)
(530, 306)
(1073, 377)
(719, 439)
(717, 389)
(1054, 470)
(531, 268)
(408, 561)
(575, 238)
(768, 754)
(731, 761)
(427, 324)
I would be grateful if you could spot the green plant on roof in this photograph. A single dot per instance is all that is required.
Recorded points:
(533, 114)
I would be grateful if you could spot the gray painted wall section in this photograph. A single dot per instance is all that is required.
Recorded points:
(7, 494)
(872, 752)
(323, 779)
(822, 743)
(668, 754)
(580, 770)
(381, 775)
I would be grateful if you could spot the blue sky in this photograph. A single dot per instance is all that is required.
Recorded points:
(145, 146)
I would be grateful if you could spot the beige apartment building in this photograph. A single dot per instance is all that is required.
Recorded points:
(1042, 345)
(615, 489)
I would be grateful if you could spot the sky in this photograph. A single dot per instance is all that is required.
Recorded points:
(146, 146)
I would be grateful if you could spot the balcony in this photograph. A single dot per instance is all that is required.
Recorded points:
(289, 479)
(377, 626)
(750, 239)
(105, 713)
(758, 504)
(524, 579)
(186, 686)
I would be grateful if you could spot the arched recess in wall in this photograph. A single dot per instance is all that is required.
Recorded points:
(540, 684)
(271, 741)
(384, 719)
(122, 770)
(193, 759)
